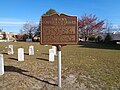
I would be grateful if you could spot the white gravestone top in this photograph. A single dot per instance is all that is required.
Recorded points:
(51, 55)
(31, 50)
(10, 49)
(1, 65)
(54, 48)
(20, 54)
(10, 46)
(46, 45)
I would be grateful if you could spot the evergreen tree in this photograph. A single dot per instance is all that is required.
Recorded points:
(50, 12)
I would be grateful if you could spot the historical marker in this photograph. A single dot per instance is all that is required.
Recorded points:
(59, 29)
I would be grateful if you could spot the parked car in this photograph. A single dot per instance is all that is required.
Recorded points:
(80, 39)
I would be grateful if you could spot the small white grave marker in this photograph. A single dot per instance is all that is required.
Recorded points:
(1, 65)
(10, 46)
(54, 48)
(20, 54)
(10, 49)
(51, 55)
(31, 50)
(45, 45)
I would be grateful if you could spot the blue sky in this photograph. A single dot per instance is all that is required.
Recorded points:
(14, 13)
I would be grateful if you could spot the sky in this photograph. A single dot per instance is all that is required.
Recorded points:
(15, 13)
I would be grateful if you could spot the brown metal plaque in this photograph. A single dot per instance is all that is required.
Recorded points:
(59, 29)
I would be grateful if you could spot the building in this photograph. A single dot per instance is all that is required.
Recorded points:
(1, 35)
(10, 36)
(7, 36)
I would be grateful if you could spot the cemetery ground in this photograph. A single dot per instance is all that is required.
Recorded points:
(84, 67)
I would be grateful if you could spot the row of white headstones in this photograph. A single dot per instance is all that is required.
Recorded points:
(20, 52)
(52, 53)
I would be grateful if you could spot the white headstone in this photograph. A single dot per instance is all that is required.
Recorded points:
(54, 48)
(20, 54)
(10, 49)
(45, 45)
(31, 50)
(8, 39)
(10, 46)
(1, 65)
(51, 55)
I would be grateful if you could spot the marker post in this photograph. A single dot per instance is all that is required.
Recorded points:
(59, 65)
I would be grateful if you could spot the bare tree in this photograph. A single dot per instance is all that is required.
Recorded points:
(29, 28)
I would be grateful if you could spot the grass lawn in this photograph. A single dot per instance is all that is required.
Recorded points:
(84, 66)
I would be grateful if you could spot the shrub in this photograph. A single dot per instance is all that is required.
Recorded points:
(108, 39)
(91, 38)
(99, 39)
(25, 36)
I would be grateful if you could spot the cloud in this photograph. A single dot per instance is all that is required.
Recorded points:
(11, 23)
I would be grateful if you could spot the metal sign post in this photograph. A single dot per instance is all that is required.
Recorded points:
(59, 65)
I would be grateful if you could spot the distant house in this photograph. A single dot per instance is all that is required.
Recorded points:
(116, 37)
(19, 37)
(6, 36)
(10, 36)
(1, 35)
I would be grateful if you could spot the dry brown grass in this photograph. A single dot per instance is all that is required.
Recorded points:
(93, 66)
